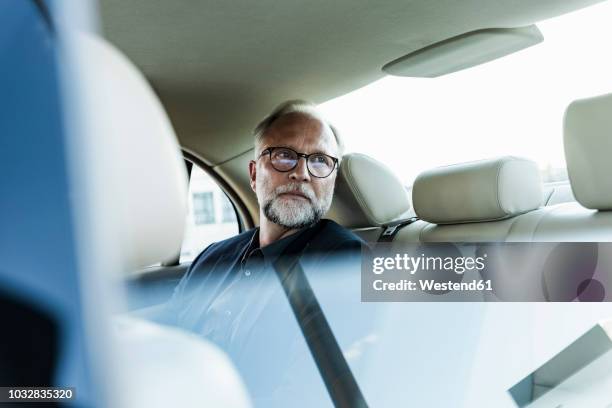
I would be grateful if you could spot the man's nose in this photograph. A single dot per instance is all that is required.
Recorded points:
(300, 172)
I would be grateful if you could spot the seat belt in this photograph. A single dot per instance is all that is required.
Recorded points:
(391, 230)
(335, 371)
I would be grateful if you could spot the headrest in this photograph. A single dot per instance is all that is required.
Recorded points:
(588, 144)
(479, 191)
(135, 172)
(367, 194)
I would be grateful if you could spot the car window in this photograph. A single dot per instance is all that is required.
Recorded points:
(210, 217)
(437, 354)
(510, 106)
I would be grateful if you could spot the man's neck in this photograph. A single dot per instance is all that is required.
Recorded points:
(270, 232)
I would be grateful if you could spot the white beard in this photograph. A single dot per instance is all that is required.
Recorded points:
(293, 213)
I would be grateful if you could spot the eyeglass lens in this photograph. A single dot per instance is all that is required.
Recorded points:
(319, 164)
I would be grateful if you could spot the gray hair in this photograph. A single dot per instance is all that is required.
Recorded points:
(294, 106)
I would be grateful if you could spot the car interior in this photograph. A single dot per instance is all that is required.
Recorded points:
(268, 54)
(175, 87)
(215, 91)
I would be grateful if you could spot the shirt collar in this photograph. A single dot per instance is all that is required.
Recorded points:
(272, 251)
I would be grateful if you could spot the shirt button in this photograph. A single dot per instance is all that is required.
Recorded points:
(247, 272)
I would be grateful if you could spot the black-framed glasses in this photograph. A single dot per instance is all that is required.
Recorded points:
(284, 159)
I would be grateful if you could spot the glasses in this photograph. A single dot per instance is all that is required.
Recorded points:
(283, 159)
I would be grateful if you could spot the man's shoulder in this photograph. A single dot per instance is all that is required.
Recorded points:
(333, 228)
(227, 247)
(334, 243)
(333, 234)
(235, 241)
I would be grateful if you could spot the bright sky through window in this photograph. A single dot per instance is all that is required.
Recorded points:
(510, 106)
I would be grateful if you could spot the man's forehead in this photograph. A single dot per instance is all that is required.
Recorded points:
(301, 129)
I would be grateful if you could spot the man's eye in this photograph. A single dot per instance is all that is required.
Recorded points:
(319, 159)
(284, 154)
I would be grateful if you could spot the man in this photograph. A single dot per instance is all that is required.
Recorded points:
(231, 294)
(229, 285)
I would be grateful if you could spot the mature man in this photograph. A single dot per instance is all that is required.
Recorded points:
(295, 193)
(231, 284)
(232, 295)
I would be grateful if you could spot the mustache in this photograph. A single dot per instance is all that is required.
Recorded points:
(295, 187)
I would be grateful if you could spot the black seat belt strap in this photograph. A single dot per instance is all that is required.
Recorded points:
(390, 231)
(335, 371)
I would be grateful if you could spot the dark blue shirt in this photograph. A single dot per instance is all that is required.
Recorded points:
(232, 296)
(229, 282)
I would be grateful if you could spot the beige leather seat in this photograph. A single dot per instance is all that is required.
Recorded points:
(473, 202)
(587, 137)
(491, 200)
(558, 192)
(132, 186)
(368, 197)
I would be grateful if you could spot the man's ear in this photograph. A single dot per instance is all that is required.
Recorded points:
(253, 174)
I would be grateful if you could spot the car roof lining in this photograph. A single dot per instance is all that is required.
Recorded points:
(219, 67)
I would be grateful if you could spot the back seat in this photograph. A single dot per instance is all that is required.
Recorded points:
(473, 202)
(558, 192)
(368, 196)
(492, 200)
(587, 137)
(588, 143)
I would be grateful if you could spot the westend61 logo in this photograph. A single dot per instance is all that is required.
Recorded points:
(476, 272)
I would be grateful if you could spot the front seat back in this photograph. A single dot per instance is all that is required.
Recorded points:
(132, 189)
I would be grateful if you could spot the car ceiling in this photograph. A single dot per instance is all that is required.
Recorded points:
(220, 66)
